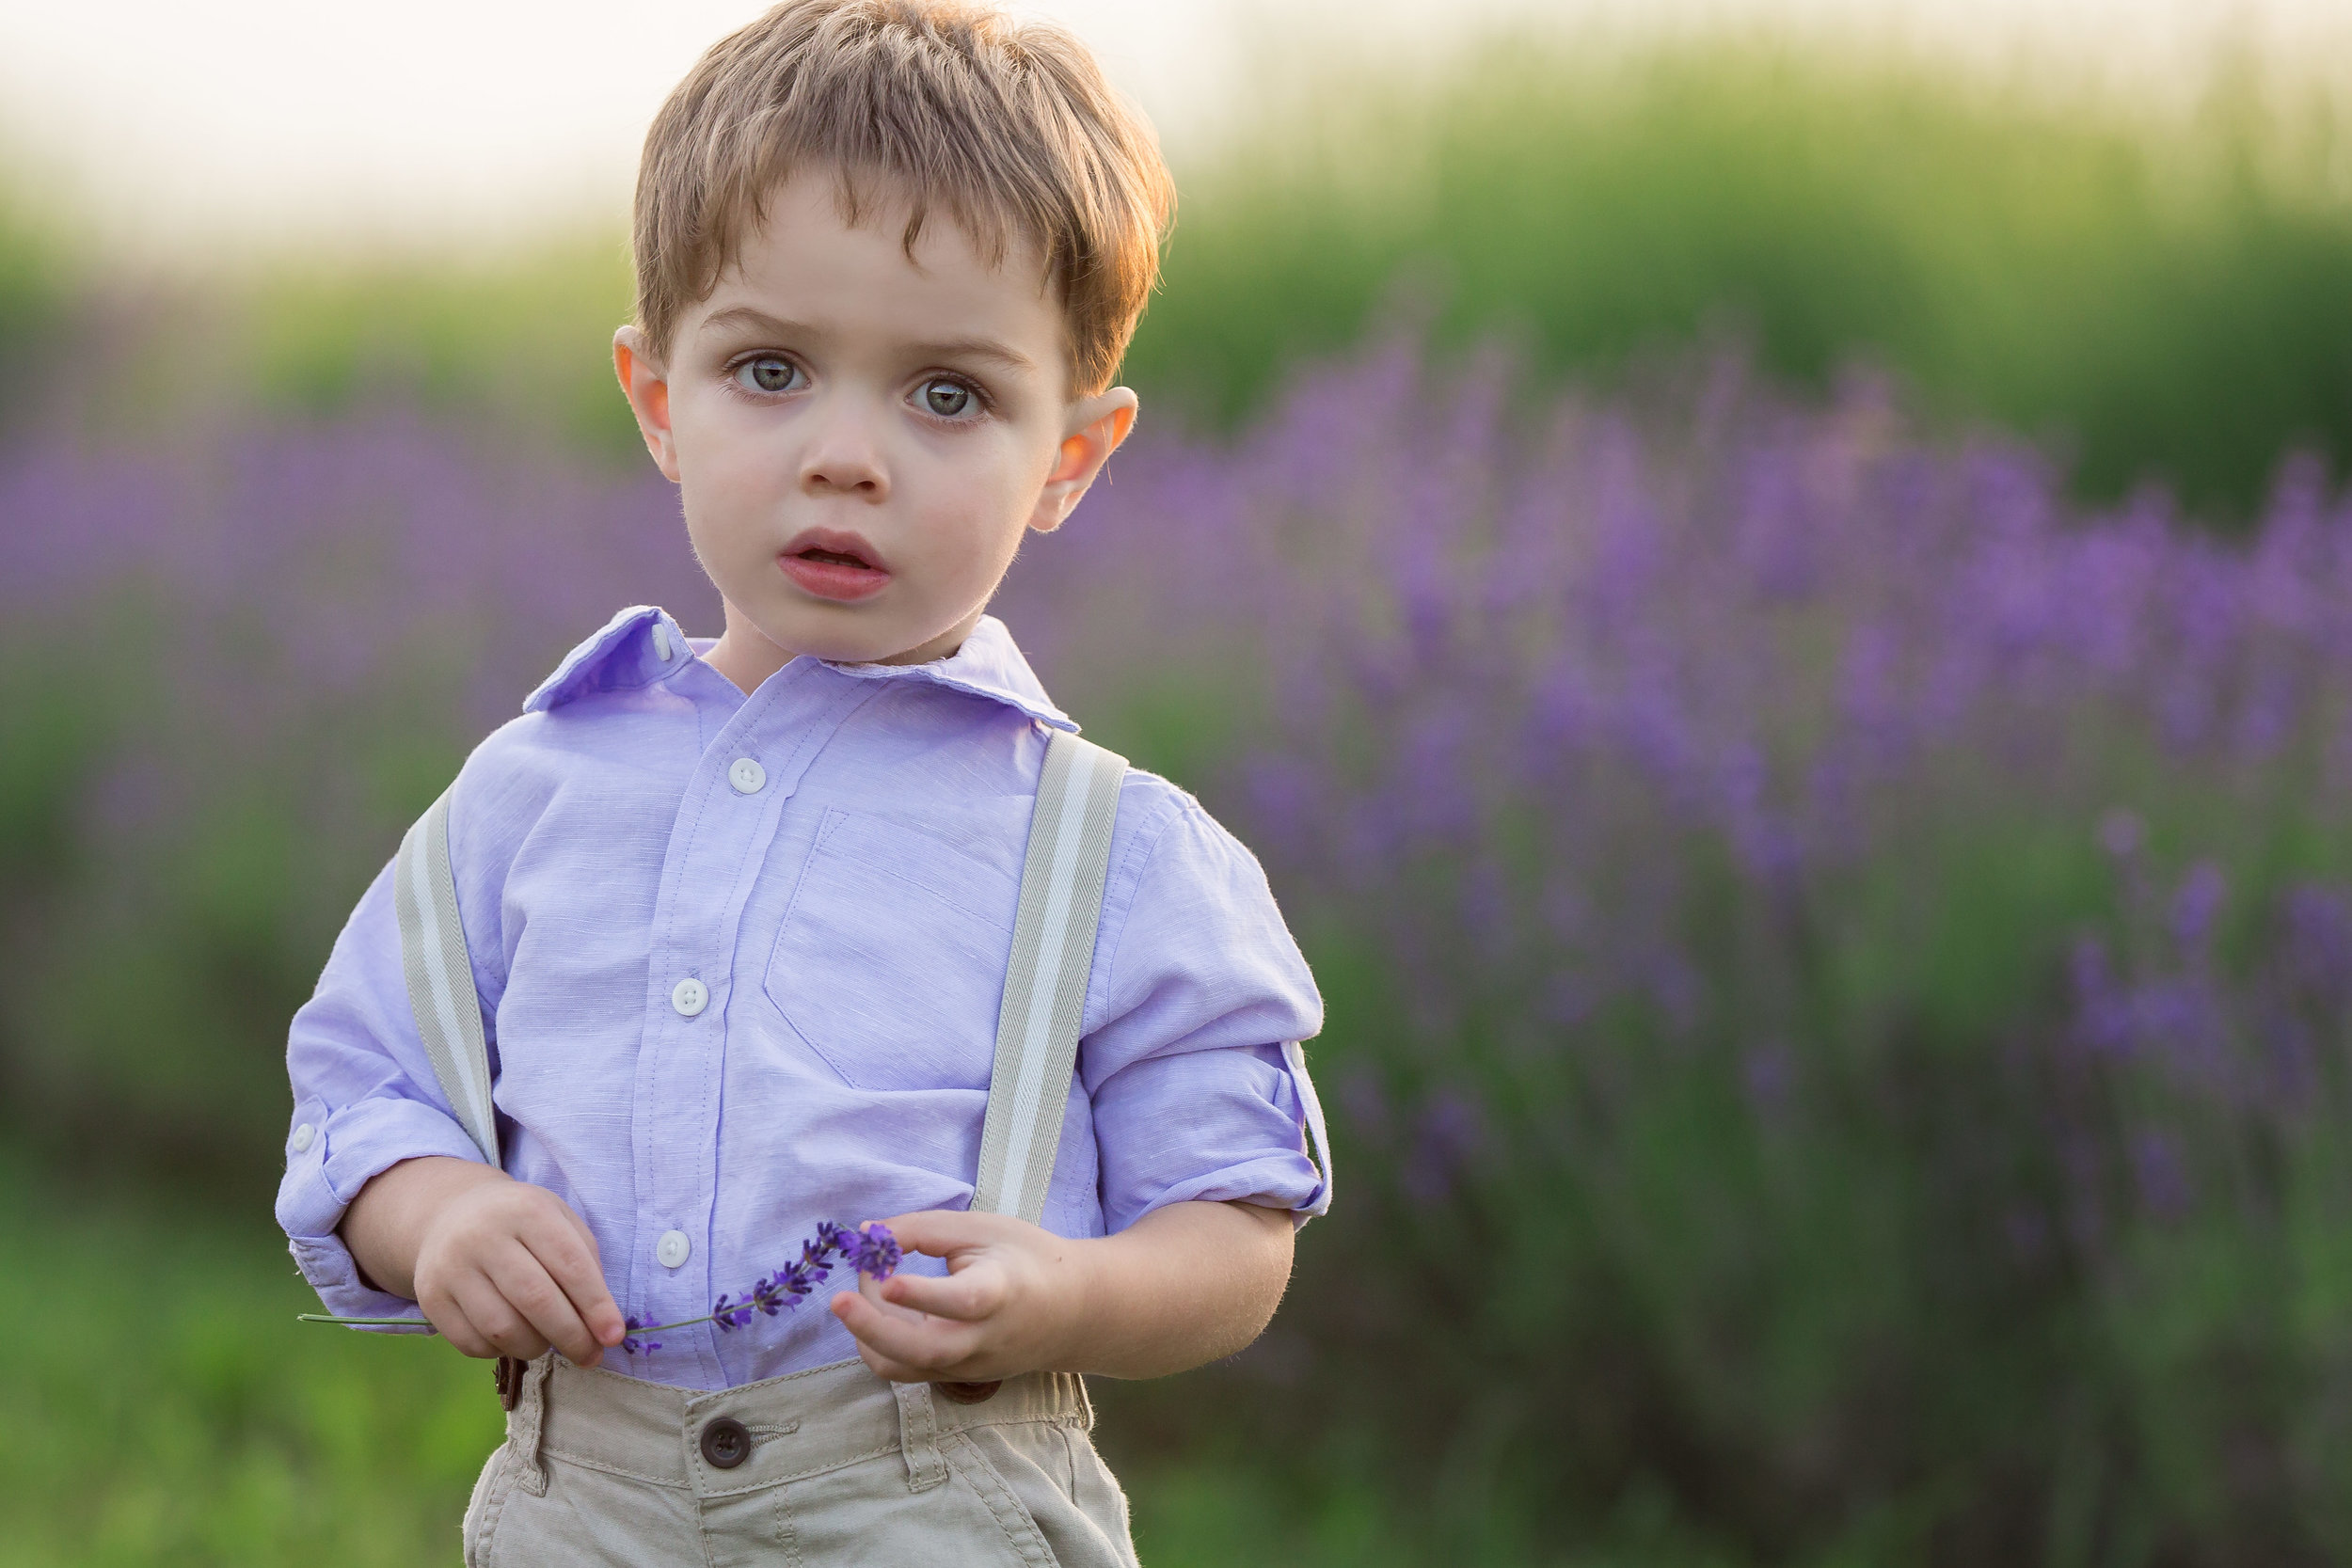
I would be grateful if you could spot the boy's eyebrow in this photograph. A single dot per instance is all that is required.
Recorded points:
(976, 348)
(745, 318)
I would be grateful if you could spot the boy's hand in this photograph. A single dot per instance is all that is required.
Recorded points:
(500, 1267)
(1011, 1301)
(1185, 1285)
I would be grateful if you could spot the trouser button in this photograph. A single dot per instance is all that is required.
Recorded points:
(726, 1442)
(969, 1393)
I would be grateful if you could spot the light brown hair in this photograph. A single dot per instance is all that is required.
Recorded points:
(1008, 127)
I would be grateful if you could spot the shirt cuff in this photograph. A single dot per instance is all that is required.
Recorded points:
(1300, 1182)
(1223, 1126)
(1312, 1131)
(1283, 1180)
(330, 1156)
(1292, 1179)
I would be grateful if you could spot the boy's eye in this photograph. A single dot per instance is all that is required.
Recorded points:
(948, 399)
(769, 372)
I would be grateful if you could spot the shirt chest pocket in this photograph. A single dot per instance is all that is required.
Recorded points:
(890, 962)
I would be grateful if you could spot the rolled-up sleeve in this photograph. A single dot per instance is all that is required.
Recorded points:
(1198, 1085)
(365, 1099)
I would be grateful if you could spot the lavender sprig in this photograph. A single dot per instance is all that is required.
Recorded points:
(870, 1249)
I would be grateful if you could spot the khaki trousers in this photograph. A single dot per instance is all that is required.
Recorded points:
(828, 1467)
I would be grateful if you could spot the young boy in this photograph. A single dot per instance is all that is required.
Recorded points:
(740, 912)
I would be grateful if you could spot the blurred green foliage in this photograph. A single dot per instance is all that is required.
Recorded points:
(36, 288)
(204, 931)
(158, 1403)
(524, 334)
(1853, 1329)
(2161, 295)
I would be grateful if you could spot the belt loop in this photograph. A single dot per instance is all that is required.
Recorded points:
(1085, 1404)
(918, 1437)
(526, 1421)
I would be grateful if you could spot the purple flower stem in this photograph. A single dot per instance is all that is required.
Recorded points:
(871, 1250)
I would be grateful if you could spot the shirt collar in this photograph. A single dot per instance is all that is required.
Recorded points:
(642, 644)
(989, 664)
(637, 647)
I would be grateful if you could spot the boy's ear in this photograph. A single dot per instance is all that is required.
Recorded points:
(1097, 426)
(647, 385)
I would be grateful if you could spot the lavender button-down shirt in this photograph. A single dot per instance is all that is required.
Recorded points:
(847, 900)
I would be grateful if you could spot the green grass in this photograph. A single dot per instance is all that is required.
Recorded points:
(159, 1404)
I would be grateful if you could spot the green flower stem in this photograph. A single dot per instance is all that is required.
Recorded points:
(420, 1322)
(366, 1323)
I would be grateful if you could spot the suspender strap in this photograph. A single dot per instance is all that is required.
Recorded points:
(1046, 985)
(440, 974)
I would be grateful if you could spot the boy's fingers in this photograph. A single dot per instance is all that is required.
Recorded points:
(442, 1311)
(495, 1319)
(883, 1367)
(968, 1297)
(576, 1271)
(937, 1232)
(929, 1346)
(533, 1293)
(579, 1229)
(567, 1253)
(596, 1306)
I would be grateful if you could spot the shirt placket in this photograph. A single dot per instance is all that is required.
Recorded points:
(733, 807)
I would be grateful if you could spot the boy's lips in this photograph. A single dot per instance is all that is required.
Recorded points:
(829, 564)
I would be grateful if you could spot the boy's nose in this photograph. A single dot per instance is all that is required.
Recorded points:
(843, 460)
(838, 475)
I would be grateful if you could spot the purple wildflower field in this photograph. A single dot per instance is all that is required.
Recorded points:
(1838, 960)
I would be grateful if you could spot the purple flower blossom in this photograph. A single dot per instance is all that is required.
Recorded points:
(1766, 1072)
(2163, 1181)
(1450, 1134)
(2197, 904)
(2119, 833)
(870, 1250)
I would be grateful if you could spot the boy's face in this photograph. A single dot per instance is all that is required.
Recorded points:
(861, 438)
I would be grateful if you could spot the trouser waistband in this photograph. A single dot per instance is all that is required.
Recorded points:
(793, 1427)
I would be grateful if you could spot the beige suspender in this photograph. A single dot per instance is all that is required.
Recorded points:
(1045, 982)
(440, 974)
(1037, 1027)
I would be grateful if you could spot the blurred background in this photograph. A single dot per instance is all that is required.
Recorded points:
(1771, 581)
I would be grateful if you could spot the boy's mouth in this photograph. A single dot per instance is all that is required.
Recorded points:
(833, 565)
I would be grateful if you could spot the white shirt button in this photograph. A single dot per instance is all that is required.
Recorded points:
(690, 997)
(673, 1250)
(747, 776)
(305, 1136)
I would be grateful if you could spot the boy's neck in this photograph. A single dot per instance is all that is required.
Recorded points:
(746, 660)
